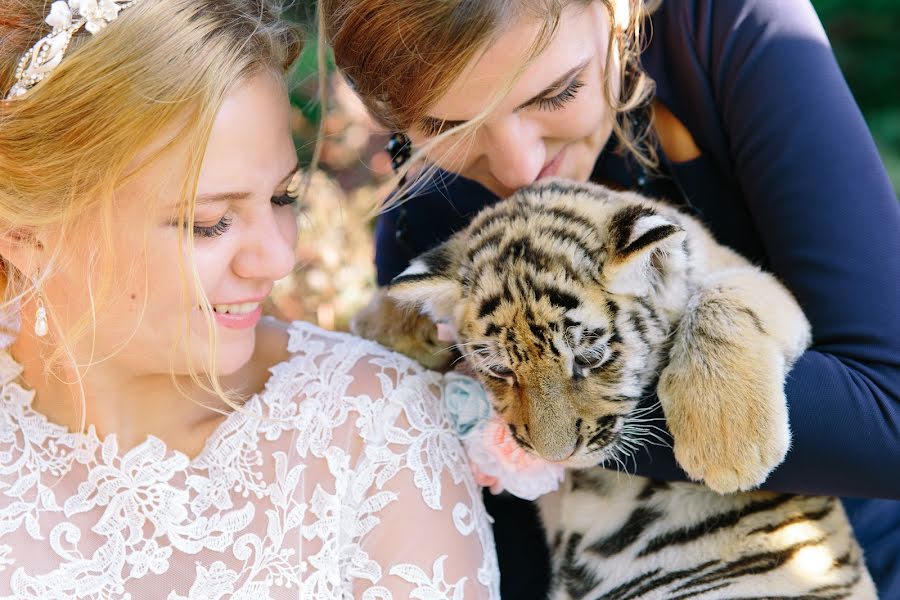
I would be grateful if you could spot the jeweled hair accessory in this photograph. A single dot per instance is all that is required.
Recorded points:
(66, 18)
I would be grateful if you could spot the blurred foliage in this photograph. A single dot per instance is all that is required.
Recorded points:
(864, 34)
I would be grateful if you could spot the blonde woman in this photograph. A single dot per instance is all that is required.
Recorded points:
(735, 110)
(158, 438)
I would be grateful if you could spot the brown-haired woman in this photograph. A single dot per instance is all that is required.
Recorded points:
(158, 439)
(733, 109)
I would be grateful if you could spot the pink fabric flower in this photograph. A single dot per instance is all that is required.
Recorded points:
(501, 464)
(497, 461)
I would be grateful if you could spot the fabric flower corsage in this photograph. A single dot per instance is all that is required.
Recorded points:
(497, 461)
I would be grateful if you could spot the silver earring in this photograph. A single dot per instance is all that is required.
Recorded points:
(40, 318)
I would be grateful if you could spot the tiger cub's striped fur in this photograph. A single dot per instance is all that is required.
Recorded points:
(572, 303)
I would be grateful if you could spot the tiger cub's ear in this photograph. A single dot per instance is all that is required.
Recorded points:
(643, 244)
(430, 282)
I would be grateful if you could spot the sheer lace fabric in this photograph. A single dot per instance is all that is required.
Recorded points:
(351, 485)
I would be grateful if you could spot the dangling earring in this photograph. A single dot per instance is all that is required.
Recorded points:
(399, 148)
(40, 318)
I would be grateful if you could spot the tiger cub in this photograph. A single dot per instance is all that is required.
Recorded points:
(572, 303)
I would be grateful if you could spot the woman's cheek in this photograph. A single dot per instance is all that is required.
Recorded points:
(585, 115)
(452, 155)
(288, 226)
(213, 259)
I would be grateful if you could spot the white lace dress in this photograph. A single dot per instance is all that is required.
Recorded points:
(353, 485)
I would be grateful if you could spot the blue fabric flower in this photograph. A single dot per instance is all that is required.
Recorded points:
(466, 401)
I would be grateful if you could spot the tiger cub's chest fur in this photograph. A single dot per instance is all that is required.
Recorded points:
(573, 304)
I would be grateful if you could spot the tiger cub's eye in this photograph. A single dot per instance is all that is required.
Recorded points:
(589, 362)
(590, 359)
(500, 371)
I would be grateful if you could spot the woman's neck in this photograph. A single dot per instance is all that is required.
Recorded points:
(130, 405)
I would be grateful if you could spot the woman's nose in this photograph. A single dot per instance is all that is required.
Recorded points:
(515, 151)
(268, 250)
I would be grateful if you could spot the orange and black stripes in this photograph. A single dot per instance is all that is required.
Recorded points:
(572, 297)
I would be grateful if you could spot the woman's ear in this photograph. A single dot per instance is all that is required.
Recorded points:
(22, 248)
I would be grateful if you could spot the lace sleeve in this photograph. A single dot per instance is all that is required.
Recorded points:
(391, 508)
(433, 538)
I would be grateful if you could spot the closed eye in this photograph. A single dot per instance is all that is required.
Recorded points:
(561, 99)
(570, 82)
(589, 360)
(500, 371)
(284, 200)
(288, 198)
(292, 193)
(224, 224)
(432, 127)
(213, 231)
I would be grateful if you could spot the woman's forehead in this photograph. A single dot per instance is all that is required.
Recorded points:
(249, 146)
(580, 34)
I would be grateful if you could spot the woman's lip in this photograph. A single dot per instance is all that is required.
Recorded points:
(259, 299)
(239, 321)
(552, 167)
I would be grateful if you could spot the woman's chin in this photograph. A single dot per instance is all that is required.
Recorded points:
(234, 346)
(234, 354)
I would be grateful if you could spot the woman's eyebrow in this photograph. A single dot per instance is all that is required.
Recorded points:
(435, 123)
(222, 196)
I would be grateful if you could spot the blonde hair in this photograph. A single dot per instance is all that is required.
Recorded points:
(163, 65)
(401, 56)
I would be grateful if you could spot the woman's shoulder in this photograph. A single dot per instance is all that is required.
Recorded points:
(723, 32)
(719, 14)
(371, 425)
(337, 393)
(280, 341)
(304, 361)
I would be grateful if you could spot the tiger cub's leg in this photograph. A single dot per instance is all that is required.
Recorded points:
(723, 388)
(404, 329)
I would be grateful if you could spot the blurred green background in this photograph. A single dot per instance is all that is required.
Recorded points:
(865, 35)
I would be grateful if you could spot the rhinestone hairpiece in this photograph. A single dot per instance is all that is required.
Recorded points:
(66, 18)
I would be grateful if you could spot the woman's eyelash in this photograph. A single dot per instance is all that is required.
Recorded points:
(560, 100)
(292, 193)
(212, 231)
(433, 127)
(284, 200)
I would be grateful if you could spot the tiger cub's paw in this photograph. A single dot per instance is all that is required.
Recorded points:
(727, 413)
(405, 330)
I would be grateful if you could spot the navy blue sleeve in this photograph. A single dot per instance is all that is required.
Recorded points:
(829, 223)
(436, 211)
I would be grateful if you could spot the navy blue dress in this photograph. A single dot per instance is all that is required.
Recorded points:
(790, 177)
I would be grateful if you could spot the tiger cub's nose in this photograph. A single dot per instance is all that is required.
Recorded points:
(556, 452)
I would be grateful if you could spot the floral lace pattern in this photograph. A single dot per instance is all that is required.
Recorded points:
(321, 488)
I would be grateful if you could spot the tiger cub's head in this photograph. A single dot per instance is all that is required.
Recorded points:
(563, 297)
